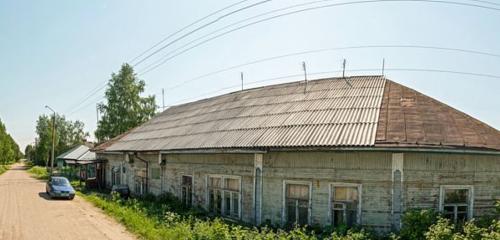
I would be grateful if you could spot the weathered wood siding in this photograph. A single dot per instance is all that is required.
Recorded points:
(422, 175)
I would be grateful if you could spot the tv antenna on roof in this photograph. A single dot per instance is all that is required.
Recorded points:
(343, 73)
(241, 76)
(383, 66)
(305, 75)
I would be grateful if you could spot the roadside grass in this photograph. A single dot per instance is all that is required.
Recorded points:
(4, 168)
(166, 218)
(39, 172)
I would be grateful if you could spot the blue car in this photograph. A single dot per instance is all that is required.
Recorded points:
(59, 187)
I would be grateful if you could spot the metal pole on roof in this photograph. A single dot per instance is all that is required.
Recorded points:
(383, 66)
(97, 112)
(241, 76)
(305, 75)
(163, 99)
(343, 68)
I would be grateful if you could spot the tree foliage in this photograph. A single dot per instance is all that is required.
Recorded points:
(125, 108)
(68, 134)
(9, 150)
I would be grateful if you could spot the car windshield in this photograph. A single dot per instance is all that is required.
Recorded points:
(60, 182)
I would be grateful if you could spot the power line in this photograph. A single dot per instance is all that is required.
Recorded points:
(166, 58)
(328, 50)
(339, 71)
(199, 28)
(88, 96)
(186, 27)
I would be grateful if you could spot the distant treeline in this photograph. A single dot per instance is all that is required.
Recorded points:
(9, 150)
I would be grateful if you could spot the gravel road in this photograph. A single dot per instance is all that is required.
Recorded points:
(27, 213)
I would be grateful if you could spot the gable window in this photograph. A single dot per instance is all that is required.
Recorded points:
(345, 204)
(456, 203)
(224, 195)
(187, 190)
(297, 202)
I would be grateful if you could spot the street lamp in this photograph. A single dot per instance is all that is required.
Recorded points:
(53, 138)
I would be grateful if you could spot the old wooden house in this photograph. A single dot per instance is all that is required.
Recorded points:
(356, 150)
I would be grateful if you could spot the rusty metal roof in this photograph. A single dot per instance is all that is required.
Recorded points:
(329, 112)
(411, 119)
(372, 112)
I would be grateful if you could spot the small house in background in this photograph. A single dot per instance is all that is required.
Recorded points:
(79, 162)
(355, 151)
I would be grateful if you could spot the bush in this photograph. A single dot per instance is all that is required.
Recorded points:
(442, 230)
(416, 223)
(4, 168)
(39, 172)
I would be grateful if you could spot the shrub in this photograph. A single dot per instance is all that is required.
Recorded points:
(39, 172)
(442, 230)
(416, 223)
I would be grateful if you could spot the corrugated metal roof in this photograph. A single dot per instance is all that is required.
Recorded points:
(80, 152)
(329, 113)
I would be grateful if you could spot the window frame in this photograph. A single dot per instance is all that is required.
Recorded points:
(284, 215)
(222, 191)
(181, 186)
(359, 186)
(470, 205)
(151, 170)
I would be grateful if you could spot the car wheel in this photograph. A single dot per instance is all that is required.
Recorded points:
(71, 198)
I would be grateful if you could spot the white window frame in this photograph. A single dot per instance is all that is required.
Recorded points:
(470, 188)
(283, 206)
(223, 206)
(359, 186)
(192, 188)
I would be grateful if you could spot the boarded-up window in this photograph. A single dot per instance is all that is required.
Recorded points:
(345, 205)
(297, 204)
(456, 204)
(155, 173)
(187, 190)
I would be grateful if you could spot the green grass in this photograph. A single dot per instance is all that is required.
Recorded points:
(39, 172)
(4, 168)
(165, 218)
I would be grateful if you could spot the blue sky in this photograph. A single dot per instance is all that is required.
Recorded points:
(56, 52)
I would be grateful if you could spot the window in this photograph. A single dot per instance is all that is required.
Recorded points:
(187, 190)
(115, 176)
(224, 195)
(345, 204)
(155, 173)
(297, 198)
(456, 203)
(91, 171)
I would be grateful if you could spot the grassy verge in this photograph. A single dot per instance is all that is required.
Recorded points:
(4, 168)
(39, 172)
(165, 218)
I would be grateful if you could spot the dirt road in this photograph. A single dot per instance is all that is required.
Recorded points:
(27, 213)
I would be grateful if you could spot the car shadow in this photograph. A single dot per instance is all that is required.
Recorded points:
(46, 196)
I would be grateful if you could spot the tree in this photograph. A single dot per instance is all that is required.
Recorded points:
(68, 134)
(125, 108)
(9, 150)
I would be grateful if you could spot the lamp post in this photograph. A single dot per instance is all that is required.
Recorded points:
(53, 138)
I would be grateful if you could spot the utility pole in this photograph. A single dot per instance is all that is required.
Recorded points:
(53, 139)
